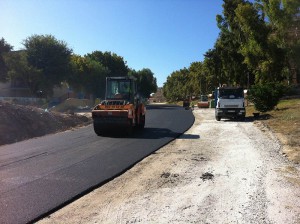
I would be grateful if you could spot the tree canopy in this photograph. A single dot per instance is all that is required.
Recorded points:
(88, 76)
(90, 72)
(20, 71)
(4, 48)
(52, 57)
(113, 62)
(46, 62)
(258, 43)
(177, 85)
(145, 80)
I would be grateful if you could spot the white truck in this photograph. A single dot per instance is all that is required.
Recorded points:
(230, 103)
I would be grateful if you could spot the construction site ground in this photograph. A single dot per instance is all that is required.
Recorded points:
(19, 122)
(227, 172)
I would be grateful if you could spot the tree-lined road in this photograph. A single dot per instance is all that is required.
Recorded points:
(40, 175)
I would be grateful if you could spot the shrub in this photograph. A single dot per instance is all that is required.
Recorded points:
(266, 96)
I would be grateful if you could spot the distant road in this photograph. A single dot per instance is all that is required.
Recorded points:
(43, 174)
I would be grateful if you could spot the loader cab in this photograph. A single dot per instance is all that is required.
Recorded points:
(120, 88)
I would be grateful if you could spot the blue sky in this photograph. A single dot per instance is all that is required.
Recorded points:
(162, 35)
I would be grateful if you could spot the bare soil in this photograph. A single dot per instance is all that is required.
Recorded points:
(19, 122)
(216, 172)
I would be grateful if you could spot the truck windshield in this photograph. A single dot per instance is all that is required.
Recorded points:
(231, 93)
(118, 90)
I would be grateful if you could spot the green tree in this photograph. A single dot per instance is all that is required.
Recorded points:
(244, 46)
(4, 48)
(51, 57)
(266, 96)
(145, 80)
(234, 71)
(212, 67)
(261, 54)
(176, 87)
(114, 63)
(197, 79)
(19, 70)
(88, 76)
(283, 18)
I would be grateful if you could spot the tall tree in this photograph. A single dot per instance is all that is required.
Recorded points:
(4, 48)
(197, 80)
(19, 70)
(146, 81)
(176, 87)
(261, 54)
(51, 57)
(212, 67)
(88, 76)
(234, 71)
(114, 63)
(283, 17)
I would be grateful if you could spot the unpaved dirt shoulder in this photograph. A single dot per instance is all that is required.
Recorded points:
(217, 172)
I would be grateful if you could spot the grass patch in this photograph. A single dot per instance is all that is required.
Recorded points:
(285, 120)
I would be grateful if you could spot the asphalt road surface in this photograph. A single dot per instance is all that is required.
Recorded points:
(39, 176)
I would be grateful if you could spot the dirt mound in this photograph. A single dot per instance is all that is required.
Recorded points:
(18, 122)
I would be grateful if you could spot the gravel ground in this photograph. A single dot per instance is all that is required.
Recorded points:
(217, 172)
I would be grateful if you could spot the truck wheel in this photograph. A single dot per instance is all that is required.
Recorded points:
(218, 118)
(97, 129)
(242, 118)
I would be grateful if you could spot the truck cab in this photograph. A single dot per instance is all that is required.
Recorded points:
(230, 103)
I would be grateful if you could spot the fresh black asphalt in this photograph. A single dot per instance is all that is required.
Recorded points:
(41, 175)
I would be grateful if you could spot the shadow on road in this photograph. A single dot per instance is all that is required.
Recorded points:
(162, 106)
(189, 136)
(157, 133)
(151, 133)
